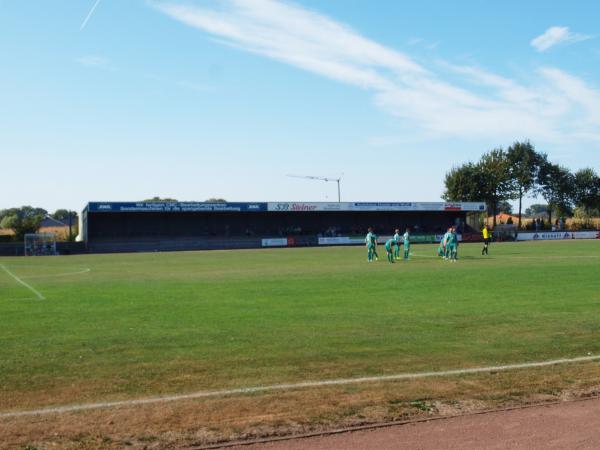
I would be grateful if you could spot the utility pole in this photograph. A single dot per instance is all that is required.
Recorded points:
(326, 179)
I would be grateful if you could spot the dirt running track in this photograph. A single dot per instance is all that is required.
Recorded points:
(564, 426)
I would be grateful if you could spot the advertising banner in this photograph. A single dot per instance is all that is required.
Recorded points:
(342, 240)
(586, 235)
(174, 207)
(300, 207)
(275, 242)
(545, 236)
(374, 206)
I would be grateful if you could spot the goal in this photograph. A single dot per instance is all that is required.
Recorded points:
(40, 244)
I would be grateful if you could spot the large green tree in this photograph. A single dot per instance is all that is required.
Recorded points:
(525, 164)
(556, 185)
(536, 209)
(586, 189)
(63, 215)
(23, 220)
(495, 179)
(488, 180)
(462, 184)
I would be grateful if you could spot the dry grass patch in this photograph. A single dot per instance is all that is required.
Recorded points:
(207, 421)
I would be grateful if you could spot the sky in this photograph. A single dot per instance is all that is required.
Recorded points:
(122, 100)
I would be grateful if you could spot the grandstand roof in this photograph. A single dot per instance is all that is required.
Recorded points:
(284, 206)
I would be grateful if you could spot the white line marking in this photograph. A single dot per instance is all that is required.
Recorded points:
(37, 293)
(288, 386)
(85, 21)
(86, 270)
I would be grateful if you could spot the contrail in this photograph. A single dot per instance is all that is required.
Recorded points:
(85, 21)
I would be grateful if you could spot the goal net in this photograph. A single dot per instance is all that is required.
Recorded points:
(40, 244)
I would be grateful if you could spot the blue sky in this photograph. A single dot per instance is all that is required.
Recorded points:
(195, 99)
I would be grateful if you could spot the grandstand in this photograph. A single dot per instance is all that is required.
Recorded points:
(168, 226)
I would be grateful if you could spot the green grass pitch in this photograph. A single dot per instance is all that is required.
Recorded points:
(146, 324)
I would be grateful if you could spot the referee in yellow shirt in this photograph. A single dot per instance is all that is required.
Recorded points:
(486, 240)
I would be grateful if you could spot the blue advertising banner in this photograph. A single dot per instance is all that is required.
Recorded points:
(108, 207)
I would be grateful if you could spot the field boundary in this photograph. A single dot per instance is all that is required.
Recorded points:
(37, 293)
(291, 386)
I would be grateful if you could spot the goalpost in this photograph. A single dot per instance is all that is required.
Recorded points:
(40, 244)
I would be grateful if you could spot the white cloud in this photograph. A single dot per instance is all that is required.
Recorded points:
(478, 104)
(94, 61)
(557, 35)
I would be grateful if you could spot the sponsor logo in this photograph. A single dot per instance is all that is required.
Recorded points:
(302, 207)
(104, 207)
(452, 207)
(252, 206)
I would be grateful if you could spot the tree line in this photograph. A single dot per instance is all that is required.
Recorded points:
(27, 219)
(519, 172)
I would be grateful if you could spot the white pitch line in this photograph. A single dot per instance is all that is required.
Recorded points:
(79, 272)
(37, 293)
(290, 386)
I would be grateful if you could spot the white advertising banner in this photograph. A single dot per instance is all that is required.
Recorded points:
(374, 206)
(276, 242)
(557, 235)
(586, 235)
(341, 240)
(545, 236)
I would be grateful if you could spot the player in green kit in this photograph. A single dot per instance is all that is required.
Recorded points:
(374, 242)
(406, 239)
(442, 247)
(369, 244)
(397, 239)
(453, 244)
(446, 240)
(389, 249)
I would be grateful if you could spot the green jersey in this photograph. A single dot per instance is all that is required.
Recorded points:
(389, 244)
(397, 238)
(406, 238)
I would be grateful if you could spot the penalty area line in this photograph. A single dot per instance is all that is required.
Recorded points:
(290, 386)
(37, 293)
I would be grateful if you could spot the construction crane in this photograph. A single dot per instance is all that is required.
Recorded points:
(326, 179)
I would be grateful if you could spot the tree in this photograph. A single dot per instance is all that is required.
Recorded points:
(22, 220)
(556, 185)
(158, 199)
(495, 179)
(536, 209)
(586, 193)
(462, 184)
(216, 200)
(62, 215)
(525, 164)
(505, 207)
(488, 180)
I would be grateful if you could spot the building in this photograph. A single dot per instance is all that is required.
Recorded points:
(158, 226)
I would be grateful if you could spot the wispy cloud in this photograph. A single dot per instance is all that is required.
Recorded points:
(557, 35)
(94, 61)
(477, 104)
(89, 15)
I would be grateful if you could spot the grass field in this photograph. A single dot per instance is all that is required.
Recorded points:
(136, 325)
